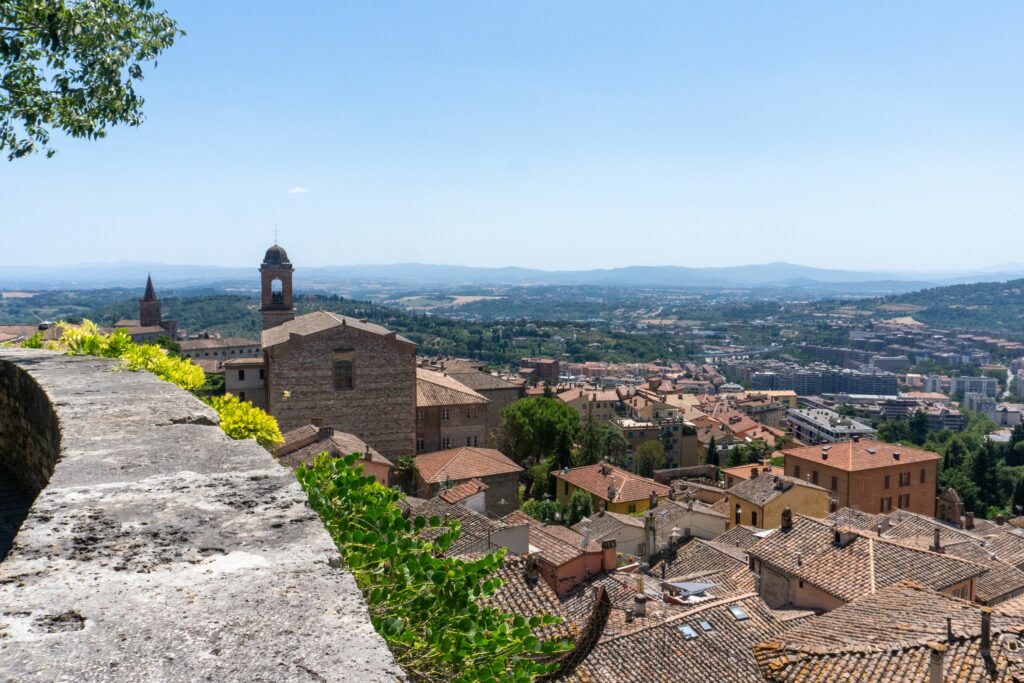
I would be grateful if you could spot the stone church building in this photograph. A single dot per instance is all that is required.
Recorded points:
(355, 376)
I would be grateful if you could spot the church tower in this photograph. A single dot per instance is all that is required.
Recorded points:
(149, 306)
(276, 276)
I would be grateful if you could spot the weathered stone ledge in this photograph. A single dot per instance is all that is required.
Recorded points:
(160, 550)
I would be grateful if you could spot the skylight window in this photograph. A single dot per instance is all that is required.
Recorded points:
(739, 612)
(687, 632)
(704, 625)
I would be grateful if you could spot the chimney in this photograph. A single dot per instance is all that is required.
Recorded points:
(949, 628)
(968, 520)
(531, 570)
(895, 455)
(936, 542)
(753, 472)
(799, 559)
(316, 421)
(787, 519)
(1000, 519)
(936, 662)
(323, 432)
(640, 605)
(879, 529)
(856, 438)
(986, 632)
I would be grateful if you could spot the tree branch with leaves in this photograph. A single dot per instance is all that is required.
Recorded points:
(73, 66)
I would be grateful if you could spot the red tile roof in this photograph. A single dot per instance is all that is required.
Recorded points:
(435, 389)
(865, 454)
(625, 486)
(456, 464)
(463, 491)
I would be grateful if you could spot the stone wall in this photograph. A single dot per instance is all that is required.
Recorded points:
(380, 408)
(161, 550)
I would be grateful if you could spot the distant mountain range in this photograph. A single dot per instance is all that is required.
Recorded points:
(772, 275)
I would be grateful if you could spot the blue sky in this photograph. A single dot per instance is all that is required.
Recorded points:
(866, 135)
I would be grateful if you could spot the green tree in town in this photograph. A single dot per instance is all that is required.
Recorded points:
(405, 473)
(983, 474)
(542, 509)
(712, 453)
(580, 505)
(893, 431)
(917, 427)
(73, 67)
(650, 456)
(533, 428)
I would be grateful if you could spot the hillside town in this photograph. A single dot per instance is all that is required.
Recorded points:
(740, 519)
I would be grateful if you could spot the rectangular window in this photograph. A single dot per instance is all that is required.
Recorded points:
(739, 513)
(469, 441)
(753, 518)
(632, 508)
(344, 369)
(923, 476)
(241, 395)
(446, 443)
(814, 477)
(565, 487)
(262, 376)
(420, 446)
(835, 483)
(904, 501)
(885, 485)
(445, 413)
(887, 504)
(474, 442)
(796, 471)
(241, 375)
(904, 478)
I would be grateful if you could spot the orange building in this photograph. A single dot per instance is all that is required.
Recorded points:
(870, 476)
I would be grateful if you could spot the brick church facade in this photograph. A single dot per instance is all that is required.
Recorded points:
(357, 377)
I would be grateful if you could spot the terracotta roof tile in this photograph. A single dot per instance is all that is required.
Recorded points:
(457, 464)
(463, 491)
(625, 486)
(861, 455)
(435, 389)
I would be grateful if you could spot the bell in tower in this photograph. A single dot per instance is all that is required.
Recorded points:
(276, 278)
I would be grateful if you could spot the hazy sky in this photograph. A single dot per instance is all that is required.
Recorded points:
(553, 135)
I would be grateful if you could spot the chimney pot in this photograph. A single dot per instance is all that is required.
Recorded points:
(936, 542)
(640, 605)
(936, 662)
(895, 455)
(986, 632)
(753, 472)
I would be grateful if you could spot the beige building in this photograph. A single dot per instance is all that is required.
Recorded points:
(759, 501)
(444, 470)
(245, 378)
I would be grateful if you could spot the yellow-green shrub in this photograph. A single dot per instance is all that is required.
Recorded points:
(242, 420)
(239, 419)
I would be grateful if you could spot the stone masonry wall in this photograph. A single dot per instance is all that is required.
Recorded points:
(381, 406)
(161, 550)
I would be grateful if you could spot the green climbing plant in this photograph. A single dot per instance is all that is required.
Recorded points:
(429, 608)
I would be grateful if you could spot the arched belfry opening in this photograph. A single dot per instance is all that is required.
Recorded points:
(276, 277)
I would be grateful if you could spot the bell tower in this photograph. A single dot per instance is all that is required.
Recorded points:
(149, 306)
(276, 278)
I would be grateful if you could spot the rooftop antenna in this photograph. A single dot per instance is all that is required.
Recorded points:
(275, 233)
